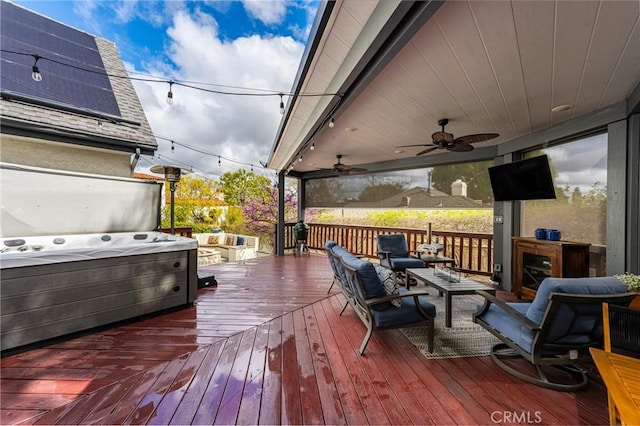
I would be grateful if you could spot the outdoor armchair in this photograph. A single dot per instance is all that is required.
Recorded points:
(366, 293)
(561, 323)
(393, 253)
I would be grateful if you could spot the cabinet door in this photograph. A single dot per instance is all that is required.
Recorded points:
(536, 265)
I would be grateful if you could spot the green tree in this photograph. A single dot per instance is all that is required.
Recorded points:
(240, 186)
(327, 192)
(475, 175)
(253, 206)
(196, 203)
(577, 199)
(234, 221)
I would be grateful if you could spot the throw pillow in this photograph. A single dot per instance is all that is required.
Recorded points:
(389, 283)
(240, 241)
(213, 239)
(230, 240)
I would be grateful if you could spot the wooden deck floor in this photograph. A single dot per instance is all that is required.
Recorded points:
(267, 346)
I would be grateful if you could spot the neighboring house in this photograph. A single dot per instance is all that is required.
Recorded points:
(421, 198)
(78, 117)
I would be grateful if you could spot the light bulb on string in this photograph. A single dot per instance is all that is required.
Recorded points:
(35, 71)
(173, 148)
(252, 168)
(313, 146)
(281, 104)
(300, 159)
(219, 163)
(332, 123)
(170, 94)
(100, 123)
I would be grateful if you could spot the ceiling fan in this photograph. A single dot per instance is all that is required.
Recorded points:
(345, 169)
(444, 140)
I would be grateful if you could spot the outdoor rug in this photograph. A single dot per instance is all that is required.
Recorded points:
(463, 339)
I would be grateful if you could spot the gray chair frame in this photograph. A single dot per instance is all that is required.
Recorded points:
(336, 273)
(551, 354)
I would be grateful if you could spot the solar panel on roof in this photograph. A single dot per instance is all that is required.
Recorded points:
(27, 32)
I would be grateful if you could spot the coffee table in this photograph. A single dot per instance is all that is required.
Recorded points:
(449, 289)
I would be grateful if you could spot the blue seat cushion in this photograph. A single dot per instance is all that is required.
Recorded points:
(402, 263)
(408, 313)
(330, 244)
(503, 322)
(342, 253)
(371, 284)
(588, 285)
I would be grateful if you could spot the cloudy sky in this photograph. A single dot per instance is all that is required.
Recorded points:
(218, 45)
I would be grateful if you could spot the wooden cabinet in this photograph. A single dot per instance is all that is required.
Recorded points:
(534, 260)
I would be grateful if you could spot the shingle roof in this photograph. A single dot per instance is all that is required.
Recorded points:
(50, 121)
(419, 197)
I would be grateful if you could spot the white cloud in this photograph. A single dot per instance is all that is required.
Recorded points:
(268, 11)
(237, 127)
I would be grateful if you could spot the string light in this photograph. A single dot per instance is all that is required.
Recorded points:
(170, 94)
(37, 76)
(35, 71)
(300, 159)
(313, 147)
(152, 79)
(252, 168)
(332, 123)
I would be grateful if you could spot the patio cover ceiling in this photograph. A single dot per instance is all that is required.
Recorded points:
(487, 66)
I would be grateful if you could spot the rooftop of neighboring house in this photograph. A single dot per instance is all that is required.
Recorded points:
(78, 100)
(420, 197)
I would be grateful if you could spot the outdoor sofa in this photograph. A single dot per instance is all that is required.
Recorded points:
(233, 247)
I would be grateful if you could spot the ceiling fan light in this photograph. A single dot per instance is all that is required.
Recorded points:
(561, 108)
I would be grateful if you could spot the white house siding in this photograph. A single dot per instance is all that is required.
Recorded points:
(63, 156)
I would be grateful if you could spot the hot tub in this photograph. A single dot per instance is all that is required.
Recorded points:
(61, 284)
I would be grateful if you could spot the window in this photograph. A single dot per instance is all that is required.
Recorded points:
(579, 170)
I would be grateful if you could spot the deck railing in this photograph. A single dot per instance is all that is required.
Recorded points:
(473, 251)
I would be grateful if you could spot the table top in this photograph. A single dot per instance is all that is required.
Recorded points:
(621, 375)
(465, 285)
(438, 259)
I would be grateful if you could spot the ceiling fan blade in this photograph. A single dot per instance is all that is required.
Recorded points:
(356, 170)
(460, 147)
(480, 137)
(426, 151)
(409, 146)
(441, 137)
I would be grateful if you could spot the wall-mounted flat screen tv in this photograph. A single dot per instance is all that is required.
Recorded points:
(528, 179)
